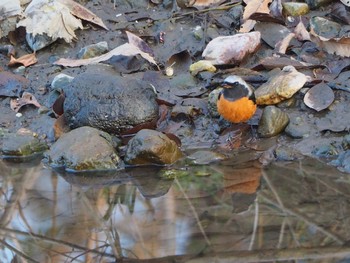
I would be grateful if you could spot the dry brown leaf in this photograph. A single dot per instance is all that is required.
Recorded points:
(125, 49)
(253, 6)
(50, 18)
(60, 127)
(282, 46)
(301, 33)
(205, 3)
(26, 99)
(139, 43)
(25, 60)
(83, 13)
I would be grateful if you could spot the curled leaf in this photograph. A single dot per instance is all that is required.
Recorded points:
(25, 60)
(26, 99)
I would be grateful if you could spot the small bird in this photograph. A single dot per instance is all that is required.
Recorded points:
(236, 103)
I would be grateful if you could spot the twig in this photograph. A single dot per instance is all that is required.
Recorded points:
(218, 8)
(194, 212)
(18, 252)
(49, 239)
(256, 221)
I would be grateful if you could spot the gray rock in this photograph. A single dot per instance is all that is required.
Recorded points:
(343, 161)
(151, 147)
(212, 102)
(20, 145)
(82, 149)
(61, 80)
(93, 50)
(109, 103)
(272, 122)
(298, 127)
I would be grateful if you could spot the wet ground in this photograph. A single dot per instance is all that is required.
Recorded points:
(298, 214)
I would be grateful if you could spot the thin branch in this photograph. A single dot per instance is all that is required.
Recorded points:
(49, 239)
(194, 212)
(18, 252)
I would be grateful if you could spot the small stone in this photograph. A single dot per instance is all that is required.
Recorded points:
(297, 128)
(61, 80)
(272, 122)
(295, 8)
(93, 50)
(20, 70)
(151, 147)
(212, 102)
(198, 32)
(19, 115)
(280, 87)
(284, 153)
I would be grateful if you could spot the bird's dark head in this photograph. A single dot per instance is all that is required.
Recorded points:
(234, 88)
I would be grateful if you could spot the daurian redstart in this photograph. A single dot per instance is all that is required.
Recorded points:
(235, 102)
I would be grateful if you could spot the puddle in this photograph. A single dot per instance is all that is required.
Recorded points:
(241, 213)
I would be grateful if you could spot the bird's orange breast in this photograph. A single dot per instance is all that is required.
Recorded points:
(240, 110)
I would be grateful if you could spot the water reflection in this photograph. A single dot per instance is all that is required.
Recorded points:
(233, 211)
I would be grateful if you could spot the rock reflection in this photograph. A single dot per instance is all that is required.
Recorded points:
(238, 211)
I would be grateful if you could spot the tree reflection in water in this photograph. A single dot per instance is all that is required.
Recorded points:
(229, 211)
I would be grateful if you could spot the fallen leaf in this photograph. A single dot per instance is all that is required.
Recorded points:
(253, 6)
(280, 62)
(126, 49)
(80, 11)
(272, 33)
(26, 99)
(60, 127)
(58, 105)
(25, 60)
(282, 46)
(50, 18)
(331, 36)
(231, 49)
(179, 62)
(339, 12)
(206, 3)
(301, 33)
(319, 97)
(139, 43)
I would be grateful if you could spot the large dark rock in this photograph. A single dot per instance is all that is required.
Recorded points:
(109, 103)
(83, 149)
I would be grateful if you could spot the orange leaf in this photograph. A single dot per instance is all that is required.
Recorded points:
(25, 60)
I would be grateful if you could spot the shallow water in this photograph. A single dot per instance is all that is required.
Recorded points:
(233, 212)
